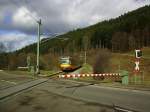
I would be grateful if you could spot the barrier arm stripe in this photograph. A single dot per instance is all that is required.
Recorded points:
(89, 75)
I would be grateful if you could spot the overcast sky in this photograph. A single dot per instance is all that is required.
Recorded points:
(18, 25)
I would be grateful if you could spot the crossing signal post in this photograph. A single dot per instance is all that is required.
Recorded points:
(138, 54)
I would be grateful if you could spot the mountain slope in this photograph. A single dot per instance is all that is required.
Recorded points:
(122, 34)
(132, 28)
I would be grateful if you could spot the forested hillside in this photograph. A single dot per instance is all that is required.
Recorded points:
(127, 32)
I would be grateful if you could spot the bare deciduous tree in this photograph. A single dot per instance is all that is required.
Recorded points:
(102, 62)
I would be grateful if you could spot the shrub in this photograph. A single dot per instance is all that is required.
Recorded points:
(102, 62)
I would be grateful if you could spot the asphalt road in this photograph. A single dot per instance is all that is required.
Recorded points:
(84, 92)
(9, 80)
(40, 99)
(128, 99)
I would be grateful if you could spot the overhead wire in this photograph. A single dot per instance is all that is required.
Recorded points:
(18, 5)
(26, 2)
(50, 34)
(35, 9)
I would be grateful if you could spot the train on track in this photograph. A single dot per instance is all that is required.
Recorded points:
(69, 64)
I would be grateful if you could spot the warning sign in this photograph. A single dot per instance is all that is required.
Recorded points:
(137, 68)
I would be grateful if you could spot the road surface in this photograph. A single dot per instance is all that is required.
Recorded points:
(129, 99)
(84, 93)
(8, 80)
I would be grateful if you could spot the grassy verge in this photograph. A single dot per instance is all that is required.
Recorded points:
(47, 73)
(126, 62)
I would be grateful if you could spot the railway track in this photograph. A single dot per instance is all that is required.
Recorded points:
(15, 89)
(18, 88)
(14, 84)
(7, 93)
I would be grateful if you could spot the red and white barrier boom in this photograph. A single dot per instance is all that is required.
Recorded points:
(90, 75)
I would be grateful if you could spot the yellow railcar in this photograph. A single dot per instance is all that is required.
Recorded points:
(66, 64)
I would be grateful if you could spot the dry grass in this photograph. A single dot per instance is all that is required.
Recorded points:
(126, 62)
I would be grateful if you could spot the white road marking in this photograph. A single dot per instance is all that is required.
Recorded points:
(122, 110)
(9, 82)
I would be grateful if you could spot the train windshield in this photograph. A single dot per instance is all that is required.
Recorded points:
(65, 61)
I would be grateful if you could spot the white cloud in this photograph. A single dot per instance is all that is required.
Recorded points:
(12, 37)
(59, 15)
(23, 17)
(64, 15)
(16, 40)
(83, 13)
